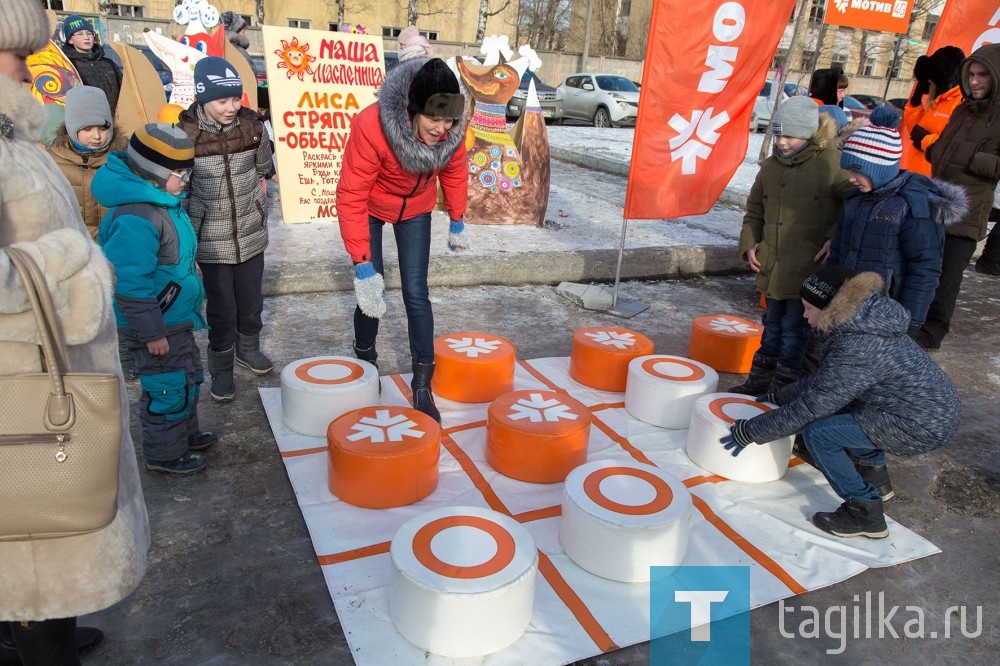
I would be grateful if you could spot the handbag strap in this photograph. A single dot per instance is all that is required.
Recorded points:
(59, 412)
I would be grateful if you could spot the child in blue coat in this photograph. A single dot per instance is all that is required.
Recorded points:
(149, 239)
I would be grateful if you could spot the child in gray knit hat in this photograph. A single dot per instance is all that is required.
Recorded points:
(791, 210)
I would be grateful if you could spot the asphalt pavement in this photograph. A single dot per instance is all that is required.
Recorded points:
(233, 578)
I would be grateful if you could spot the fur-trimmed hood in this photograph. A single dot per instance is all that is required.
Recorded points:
(931, 198)
(18, 104)
(861, 307)
(414, 156)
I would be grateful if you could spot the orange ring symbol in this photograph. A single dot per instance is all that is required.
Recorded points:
(649, 366)
(355, 371)
(592, 488)
(716, 407)
(503, 557)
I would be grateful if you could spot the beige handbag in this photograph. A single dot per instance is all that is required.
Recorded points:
(60, 435)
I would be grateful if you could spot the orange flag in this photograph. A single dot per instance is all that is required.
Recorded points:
(705, 65)
(968, 25)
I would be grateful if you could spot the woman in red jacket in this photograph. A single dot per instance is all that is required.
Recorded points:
(399, 149)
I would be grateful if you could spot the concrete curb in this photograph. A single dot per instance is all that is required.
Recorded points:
(469, 270)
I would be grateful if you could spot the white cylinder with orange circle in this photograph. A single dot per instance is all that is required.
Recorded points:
(711, 418)
(621, 517)
(537, 436)
(472, 366)
(315, 391)
(662, 390)
(382, 457)
(463, 581)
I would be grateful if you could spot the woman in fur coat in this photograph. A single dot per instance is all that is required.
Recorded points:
(45, 584)
(398, 151)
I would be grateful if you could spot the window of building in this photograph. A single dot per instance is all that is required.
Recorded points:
(808, 59)
(246, 17)
(131, 11)
(54, 4)
(929, 27)
(299, 23)
(869, 68)
(431, 35)
(817, 10)
(779, 58)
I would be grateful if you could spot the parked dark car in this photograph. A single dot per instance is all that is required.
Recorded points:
(550, 99)
(898, 102)
(870, 101)
(260, 69)
(855, 108)
(391, 60)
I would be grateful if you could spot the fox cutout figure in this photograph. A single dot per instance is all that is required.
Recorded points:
(508, 175)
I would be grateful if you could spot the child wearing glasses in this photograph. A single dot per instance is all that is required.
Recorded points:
(228, 208)
(149, 239)
(87, 55)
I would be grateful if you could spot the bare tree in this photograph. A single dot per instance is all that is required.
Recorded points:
(484, 15)
(411, 12)
(544, 23)
(260, 12)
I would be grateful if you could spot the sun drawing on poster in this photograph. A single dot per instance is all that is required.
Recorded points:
(295, 58)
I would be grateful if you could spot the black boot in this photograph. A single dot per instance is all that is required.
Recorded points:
(878, 476)
(220, 366)
(854, 518)
(989, 261)
(249, 355)
(783, 376)
(423, 399)
(761, 372)
(50, 642)
(371, 356)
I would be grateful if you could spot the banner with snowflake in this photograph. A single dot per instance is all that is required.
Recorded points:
(967, 25)
(318, 82)
(882, 15)
(705, 64)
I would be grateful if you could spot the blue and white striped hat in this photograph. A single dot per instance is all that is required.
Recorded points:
(875, 149)
(215, 78)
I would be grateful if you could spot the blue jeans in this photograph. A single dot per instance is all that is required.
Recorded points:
(836, 443)
(413, 246)
(786, 332)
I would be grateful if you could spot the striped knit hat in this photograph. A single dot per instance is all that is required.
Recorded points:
(158, 149)
(875, 149)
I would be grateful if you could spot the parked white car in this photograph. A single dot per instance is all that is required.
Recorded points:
(607, 100)
(763, 107)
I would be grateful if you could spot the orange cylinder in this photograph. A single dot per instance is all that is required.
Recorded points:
(724, 342)
(537, 436)
(601, 355)
(472, 366)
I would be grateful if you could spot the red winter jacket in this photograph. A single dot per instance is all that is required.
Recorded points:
(395, 185)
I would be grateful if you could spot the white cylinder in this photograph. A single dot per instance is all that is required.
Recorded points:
(315, 391)
(463, 581)
(661, 390)
(619, 518)
(711, 419)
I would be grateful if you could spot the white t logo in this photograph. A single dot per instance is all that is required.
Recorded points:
(701, 611)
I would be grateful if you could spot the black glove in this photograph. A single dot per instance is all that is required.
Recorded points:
(914, 330)
(917, 135)
(737, 439)
(770, 396)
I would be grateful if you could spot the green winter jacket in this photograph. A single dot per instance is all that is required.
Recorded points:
(791, 210)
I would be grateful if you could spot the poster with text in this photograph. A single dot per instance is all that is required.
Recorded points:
(318, 82)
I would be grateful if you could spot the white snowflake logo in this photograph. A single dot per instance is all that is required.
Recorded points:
(731, 325)
(384, 428)
(841, 5)
(473, 347)
(688, 149)
(538, 409)
(613, 339)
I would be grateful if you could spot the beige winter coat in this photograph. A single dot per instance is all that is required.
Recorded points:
(82, 574)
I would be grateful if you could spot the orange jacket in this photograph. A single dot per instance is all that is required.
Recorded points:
(932, 115)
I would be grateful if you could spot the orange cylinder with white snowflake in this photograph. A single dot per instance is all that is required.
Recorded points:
(537, 436)
(601, 355)
(383, 456)
(471, 366)
(724, 342)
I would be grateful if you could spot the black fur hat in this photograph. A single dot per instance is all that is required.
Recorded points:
(434, 92)
(823, 84)
(946, 67)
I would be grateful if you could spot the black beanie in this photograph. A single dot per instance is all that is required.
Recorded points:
(434, 92)
(820, 287)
